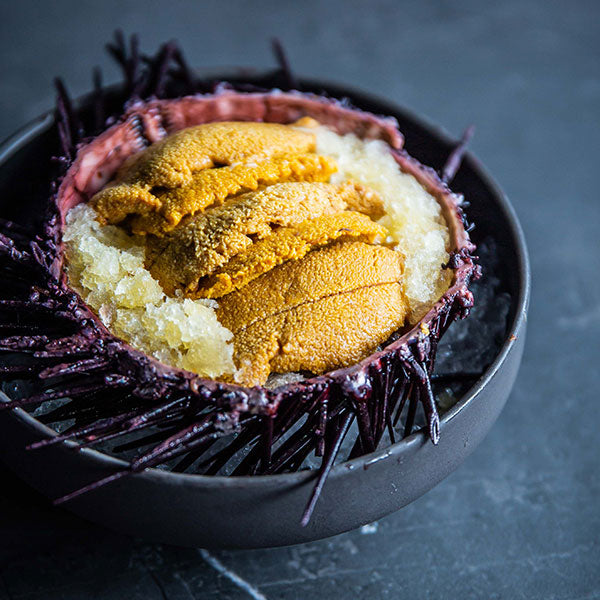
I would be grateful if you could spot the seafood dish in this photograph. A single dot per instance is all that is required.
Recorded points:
(241, 272)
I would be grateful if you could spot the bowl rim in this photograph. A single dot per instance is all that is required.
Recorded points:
(25, 134)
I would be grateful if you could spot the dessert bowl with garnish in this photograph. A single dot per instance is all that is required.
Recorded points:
(230, 309)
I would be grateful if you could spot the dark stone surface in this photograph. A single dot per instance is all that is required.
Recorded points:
(521, 518)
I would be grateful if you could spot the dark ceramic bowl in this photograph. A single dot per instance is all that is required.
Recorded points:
(252, 512)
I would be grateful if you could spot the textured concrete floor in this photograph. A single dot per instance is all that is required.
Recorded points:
(521, 518)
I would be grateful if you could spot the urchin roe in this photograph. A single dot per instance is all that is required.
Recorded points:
(106, 264)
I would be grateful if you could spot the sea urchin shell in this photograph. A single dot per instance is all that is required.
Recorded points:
(116, 390)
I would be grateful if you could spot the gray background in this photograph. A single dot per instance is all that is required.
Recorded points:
(521, 518)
